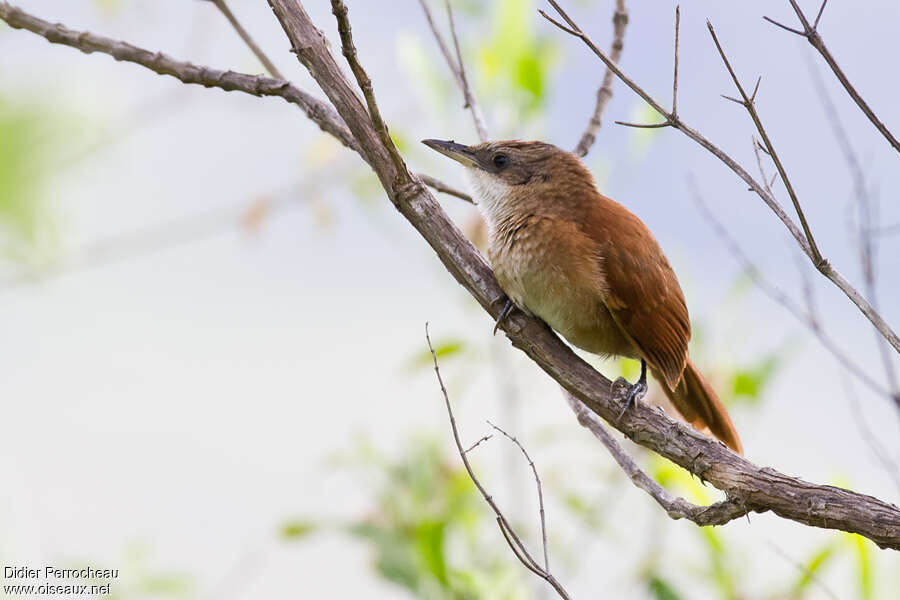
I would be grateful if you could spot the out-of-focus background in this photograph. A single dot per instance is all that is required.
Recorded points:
(214, 371)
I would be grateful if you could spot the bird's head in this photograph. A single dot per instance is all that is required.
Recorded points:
(509, 173)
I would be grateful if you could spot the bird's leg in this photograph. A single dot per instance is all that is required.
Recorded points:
(507, 308)
(635, 391)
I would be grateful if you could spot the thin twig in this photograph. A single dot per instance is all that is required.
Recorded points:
(471, 104)
(644, 125)
(756, 276)
(478, 443)
(867, 242)
(457, 67)
(339, 10)
(440, 186)
(881, 454)
(818, 260)
(675, 75)
(540, 493)
(317, 111)
(448, 57)
(515, 543)
(257, 51)
(811, 33)
(604, 93)
(677, 508)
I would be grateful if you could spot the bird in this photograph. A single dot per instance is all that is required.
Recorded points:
(588, 267)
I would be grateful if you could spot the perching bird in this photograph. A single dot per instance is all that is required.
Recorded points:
(588, 267)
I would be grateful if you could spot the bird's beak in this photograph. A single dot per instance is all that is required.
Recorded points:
(458, 152)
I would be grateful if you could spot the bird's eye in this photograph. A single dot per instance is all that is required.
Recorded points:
(500, 160)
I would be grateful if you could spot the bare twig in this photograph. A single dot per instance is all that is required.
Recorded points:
(515, 543)
(339, 10)
(471, 104)
(445, 50)
(865, 228)
(749, 104)
(317, 111)
(675, 74)
(457, 67)
(440, 186)
(540, 492)
(808, 318)
(483, 439)
(810, 32)
(170, 234)
(257, 51)
(644, 125)
(676, 122)
(604, 93)
(677, 508)
(881, 454)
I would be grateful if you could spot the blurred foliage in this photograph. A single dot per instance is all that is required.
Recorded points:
(514, 62)
(748, 382)
(138, 579)
(428, 529)
(297, 529)
(443, 348)
(26, 139)
(510, 70)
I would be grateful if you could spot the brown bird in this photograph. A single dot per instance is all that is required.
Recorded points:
(588, 267)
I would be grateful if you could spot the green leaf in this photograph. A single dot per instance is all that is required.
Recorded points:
(445, 348)
(23, 169)
(660, 589)
(430, 545)
(294, 530)
(864, 577)
(749, 382)
(815, 564)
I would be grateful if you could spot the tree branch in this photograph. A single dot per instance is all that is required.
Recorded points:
(540, 493)
(749, 104)
(677, 508)
(317, 111)
(515, 543)
(457, 67)
(676, 122)
(604, 94)
(806, 317)
(759, 489)
(257, 51)
(811, 33)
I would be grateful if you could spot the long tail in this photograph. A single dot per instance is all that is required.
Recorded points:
(698, 404)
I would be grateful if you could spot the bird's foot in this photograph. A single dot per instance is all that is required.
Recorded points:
(507, 308)
(634, 392)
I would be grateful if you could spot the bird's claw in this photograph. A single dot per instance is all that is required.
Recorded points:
(507, 308)
(634, 392)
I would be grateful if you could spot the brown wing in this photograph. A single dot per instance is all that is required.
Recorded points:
(642, 292)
